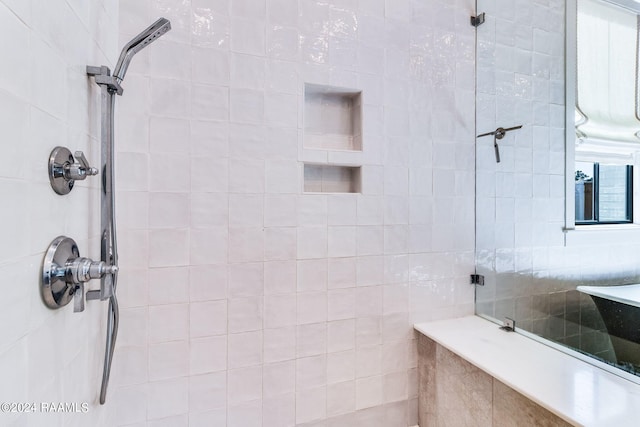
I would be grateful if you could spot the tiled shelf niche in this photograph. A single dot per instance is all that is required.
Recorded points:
(332, 118)
(331, 179)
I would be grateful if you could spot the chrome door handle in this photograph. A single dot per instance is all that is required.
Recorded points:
(499, 133)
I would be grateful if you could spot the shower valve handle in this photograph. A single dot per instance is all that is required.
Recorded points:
(65, 169)
(80, 271)
(64, 273)
(79, 169)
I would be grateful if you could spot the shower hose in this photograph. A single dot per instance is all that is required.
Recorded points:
(111, 249)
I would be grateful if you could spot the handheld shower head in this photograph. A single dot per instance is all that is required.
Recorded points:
(139, 42)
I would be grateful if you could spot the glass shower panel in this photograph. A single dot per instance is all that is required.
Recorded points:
(520, 200)
(527, 248)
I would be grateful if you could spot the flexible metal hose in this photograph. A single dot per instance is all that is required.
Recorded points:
(113, 314)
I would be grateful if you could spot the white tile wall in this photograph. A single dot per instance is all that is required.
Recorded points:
(243, 301)
(46, 99)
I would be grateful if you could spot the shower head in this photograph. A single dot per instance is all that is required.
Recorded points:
(139, 42)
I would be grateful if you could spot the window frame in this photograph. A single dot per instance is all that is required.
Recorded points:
(632, 158)
(596, 198)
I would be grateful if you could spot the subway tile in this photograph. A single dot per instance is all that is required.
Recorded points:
(279, 344)
(208, 282)
(210, 66)
(312, 307)
(209, 174)
(247, 414)
(246, 244)
(246, 176)
(208, 245)
(246, 210)
(207, 354)
(208, 418)
(168, 323)
(208, 318)
(244, 385)
(279, 410)
(280, 243)
(246, 279)
(312, 242)
(168, 360)
(209, 102)
(245, 349)
(369, 392)
(245, 314)
(311, 372)
(341, 241)
(279, 310)
(342, 273)
(207, 392)
(311, 339)
(167, 398)
(209, 138)
(280, 210)
(341, 304)
(340, 366)
(311, 404)
(178, 180)
(341, 335)
(279, 277)
(312, 275)
(278, 379)
(341, 398)
(247, 71)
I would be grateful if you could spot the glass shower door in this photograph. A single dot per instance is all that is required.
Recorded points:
(520, 194)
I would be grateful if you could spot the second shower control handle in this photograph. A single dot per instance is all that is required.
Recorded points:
(65, 169)
(80, 169)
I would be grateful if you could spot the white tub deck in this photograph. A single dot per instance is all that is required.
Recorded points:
(576, 391)
(625, 294)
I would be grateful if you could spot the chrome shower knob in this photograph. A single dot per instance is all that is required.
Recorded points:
(65, 169)
(84, 269)
(64, 273)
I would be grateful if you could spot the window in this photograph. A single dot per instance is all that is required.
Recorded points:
(603, 193)
(603, 86)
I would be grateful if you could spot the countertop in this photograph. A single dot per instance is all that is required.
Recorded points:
(576, 391)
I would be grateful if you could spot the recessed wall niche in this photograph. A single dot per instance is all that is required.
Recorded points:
(332, 118)
(331, 179)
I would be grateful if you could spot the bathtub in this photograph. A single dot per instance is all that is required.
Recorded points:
(619, 307)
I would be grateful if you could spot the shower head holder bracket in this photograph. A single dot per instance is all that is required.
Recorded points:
(104, 78)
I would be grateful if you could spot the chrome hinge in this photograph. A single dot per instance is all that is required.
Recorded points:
(477, 279)
(508, 325)
(476, 21)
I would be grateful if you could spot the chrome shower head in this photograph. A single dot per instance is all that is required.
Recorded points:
(139, 42)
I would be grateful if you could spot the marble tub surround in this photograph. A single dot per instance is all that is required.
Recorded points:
(529, 383)
(454, 392)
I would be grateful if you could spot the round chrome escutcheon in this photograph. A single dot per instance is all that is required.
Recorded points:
(58, 159)
(55, 291)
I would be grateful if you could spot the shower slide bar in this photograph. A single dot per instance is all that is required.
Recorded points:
(64, 272)
(110, 85)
